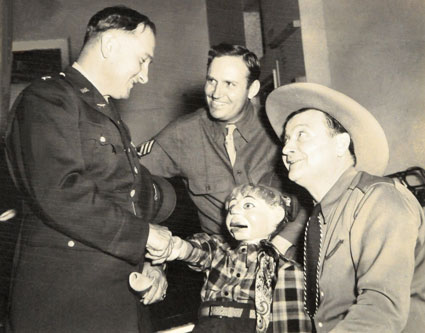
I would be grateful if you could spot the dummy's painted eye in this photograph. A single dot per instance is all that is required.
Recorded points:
(248, 205)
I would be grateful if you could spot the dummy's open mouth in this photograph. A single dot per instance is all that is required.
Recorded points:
(237, 225)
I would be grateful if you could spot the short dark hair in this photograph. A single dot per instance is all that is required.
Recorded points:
(117, 17)
(334, 126)
(250, 59)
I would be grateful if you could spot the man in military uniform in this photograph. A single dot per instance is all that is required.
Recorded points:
(364, 246)
(225, 144)
(89, 204)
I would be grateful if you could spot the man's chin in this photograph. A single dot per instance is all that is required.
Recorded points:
(293, 175)
(216, 113)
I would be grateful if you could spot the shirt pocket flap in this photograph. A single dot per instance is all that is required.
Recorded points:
(204, 186)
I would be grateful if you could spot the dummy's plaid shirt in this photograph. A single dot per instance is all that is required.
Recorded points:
(230, 276)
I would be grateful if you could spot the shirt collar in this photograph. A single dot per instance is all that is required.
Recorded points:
(77, 66)
(244, 126)
(337, 190)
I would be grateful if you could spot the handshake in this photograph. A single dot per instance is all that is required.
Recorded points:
(161, 246)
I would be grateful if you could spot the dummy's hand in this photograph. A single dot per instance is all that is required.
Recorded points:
(155, 277)
(159, 244)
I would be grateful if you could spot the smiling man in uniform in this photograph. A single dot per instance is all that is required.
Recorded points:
(89, 205)
(225, 144)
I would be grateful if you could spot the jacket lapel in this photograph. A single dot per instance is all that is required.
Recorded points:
(88, 93)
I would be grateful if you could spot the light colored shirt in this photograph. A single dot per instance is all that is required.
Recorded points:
(373, 257)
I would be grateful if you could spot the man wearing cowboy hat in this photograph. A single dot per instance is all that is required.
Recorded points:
(364, 253)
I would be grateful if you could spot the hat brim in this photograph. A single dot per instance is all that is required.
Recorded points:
(165, 200)
(370, 142)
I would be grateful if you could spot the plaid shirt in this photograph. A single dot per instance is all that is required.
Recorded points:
(230, 276)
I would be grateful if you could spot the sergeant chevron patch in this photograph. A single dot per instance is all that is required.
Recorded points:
(145, 148)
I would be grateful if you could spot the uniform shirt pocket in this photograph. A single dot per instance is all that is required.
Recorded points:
(103, 151)
(204, 186)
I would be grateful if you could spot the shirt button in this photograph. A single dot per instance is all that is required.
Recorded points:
(320, 324)
(136, 171)
(71, 243)
(238, 275)
(243, 249)
(226, 293)
(132, 193)
(102, 139)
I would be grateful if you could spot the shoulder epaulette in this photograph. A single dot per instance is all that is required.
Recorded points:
(145, 148)
(367, 180)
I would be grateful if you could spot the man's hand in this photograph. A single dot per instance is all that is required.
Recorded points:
(159, 244)
(291, 236)
(158, 283)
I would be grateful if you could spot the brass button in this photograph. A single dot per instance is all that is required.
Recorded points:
(102, 139)
(132, 193)
(71, 243)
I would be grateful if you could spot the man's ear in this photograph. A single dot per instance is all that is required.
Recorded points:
(343, 143)
(253, 89)
(107, 42)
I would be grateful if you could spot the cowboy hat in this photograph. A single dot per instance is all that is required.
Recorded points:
(164, 199)
(370, 142)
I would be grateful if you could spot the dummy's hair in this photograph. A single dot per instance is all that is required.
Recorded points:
(270, 195)
(117, 17)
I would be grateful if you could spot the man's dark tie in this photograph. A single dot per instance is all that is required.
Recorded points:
(312, 245)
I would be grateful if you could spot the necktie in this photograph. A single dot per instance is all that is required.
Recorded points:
(265, 279)
(312, 247)
(230, 145)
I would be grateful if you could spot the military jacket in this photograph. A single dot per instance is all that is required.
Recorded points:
(88, 204)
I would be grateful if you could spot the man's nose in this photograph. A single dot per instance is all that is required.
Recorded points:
(234, 210)
(288, 147)
(143, 76)
(218, 91)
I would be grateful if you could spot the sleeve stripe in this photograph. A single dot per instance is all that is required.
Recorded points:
(145, 148)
